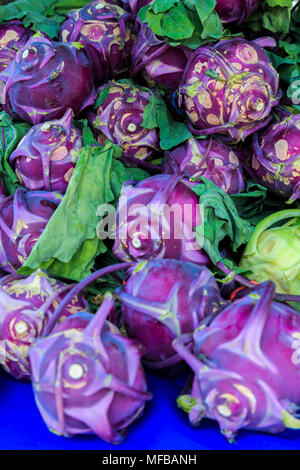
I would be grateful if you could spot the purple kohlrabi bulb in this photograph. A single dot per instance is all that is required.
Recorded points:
(26, 305)
(276, 157)
(246, 365)
(135, 5)
(23, 218)
(119, 118)
(46, 78)
(236, 10)
(162, 300)
(107, 34)
(209, 158)
(230, 89)
(89, 380)
(156, 219)
(157, 61)
(45, 158)
(13, 36)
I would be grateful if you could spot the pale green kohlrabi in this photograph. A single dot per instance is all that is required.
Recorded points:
(273, 252)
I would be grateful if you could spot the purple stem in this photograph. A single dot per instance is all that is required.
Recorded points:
(141, 163)
(253, 284)
(163, 363)
(181, 346)
(62, 290)
(237, 277)
(78, 287)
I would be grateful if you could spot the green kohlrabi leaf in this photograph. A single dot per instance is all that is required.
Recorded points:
(156, 114)
(286, 57)
(163, 5)
(277, 20)
(103, 94)
(211, 23)
(11, 133)
(64, 6)
(256, 203)
(174, 23)
(250, 203)
(172, 133)
(69, 244)
(121, 173)
(40, 15)
(221, 220)
(188, 22)
(273, 15)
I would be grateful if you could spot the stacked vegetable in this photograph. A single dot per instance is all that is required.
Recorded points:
(147, 132)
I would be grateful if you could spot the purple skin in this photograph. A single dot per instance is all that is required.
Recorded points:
(209, 158)
(78, 321)
(120, 119)
(236, 10)
(135, 5)
(146, 228)
(46, 157)
(13, 36)
(246, 365)
(158, 62)
(46, 79)
(238, 102)
(89, 380)
(276, 157)
(23, 218)
(107, 34)
(163, 300)
(26, 306)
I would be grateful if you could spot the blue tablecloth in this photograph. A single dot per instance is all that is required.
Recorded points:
(162, 427)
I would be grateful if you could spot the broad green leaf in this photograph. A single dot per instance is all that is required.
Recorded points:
(69, 243)
(11, 133)
(150, 119)
(251, 204)
(156, 114)
(205, 9)
(172, 133)
(121, 174)
(187, 22)
(40, 15)
(88, 136)
(176, 24)
(160, 6)
(221, 220)
(103, 94)
(279, 3)
(154, 22)
(277, 20)
(212, 27)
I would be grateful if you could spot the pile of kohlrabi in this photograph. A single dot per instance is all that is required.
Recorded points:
(150, 209)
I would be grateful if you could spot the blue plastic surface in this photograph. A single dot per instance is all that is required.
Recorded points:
(162, 427)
